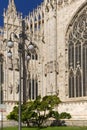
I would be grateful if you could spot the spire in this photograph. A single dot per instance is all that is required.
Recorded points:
(11, 6)
(11, 2)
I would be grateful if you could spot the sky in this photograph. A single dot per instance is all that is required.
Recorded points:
(24, 6)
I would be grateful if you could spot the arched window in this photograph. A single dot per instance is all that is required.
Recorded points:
(77, 54)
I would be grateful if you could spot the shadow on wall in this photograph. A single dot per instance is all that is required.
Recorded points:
(58, 123)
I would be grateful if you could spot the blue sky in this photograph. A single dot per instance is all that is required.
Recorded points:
(24, 6)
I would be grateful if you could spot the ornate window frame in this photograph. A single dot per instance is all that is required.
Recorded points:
(76, 54)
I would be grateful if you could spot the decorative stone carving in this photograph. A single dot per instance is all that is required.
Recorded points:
(10, 88)
(17, 88)
(60, 2)
(51, 67)
(50, 5)
(10, 64)
(16, 64)
(63, 3)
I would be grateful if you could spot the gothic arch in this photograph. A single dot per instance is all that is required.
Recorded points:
(77, 53)
(75, 16)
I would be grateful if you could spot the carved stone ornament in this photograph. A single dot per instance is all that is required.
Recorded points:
(51, 67)
(10, 88)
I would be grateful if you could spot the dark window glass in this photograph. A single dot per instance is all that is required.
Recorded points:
(71, 84)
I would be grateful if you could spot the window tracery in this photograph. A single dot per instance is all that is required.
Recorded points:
(85, 68)
(77, 55)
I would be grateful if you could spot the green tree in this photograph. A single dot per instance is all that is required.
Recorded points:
(37, 111)
(14, 114)
(43, 107)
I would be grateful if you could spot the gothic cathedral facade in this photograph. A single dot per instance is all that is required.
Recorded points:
(59, 63)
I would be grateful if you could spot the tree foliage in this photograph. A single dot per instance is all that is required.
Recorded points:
(65, 115)
(14, 114)
(37, 111)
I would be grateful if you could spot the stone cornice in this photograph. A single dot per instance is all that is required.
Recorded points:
(74, 100)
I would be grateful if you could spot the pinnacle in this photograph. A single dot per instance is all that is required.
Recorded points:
(11, 2)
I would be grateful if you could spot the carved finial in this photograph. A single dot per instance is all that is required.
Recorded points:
(11, 1)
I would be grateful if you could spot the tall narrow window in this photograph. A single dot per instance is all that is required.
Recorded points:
(71, 84)
(39, 17)
(35, 26)
(78, 53)
(78, 84)
(34, 56)
(31, 25)
(33, 89)
(29, 89)
(85, 69)
(36, 88)
(71, 54)
(35, 19)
